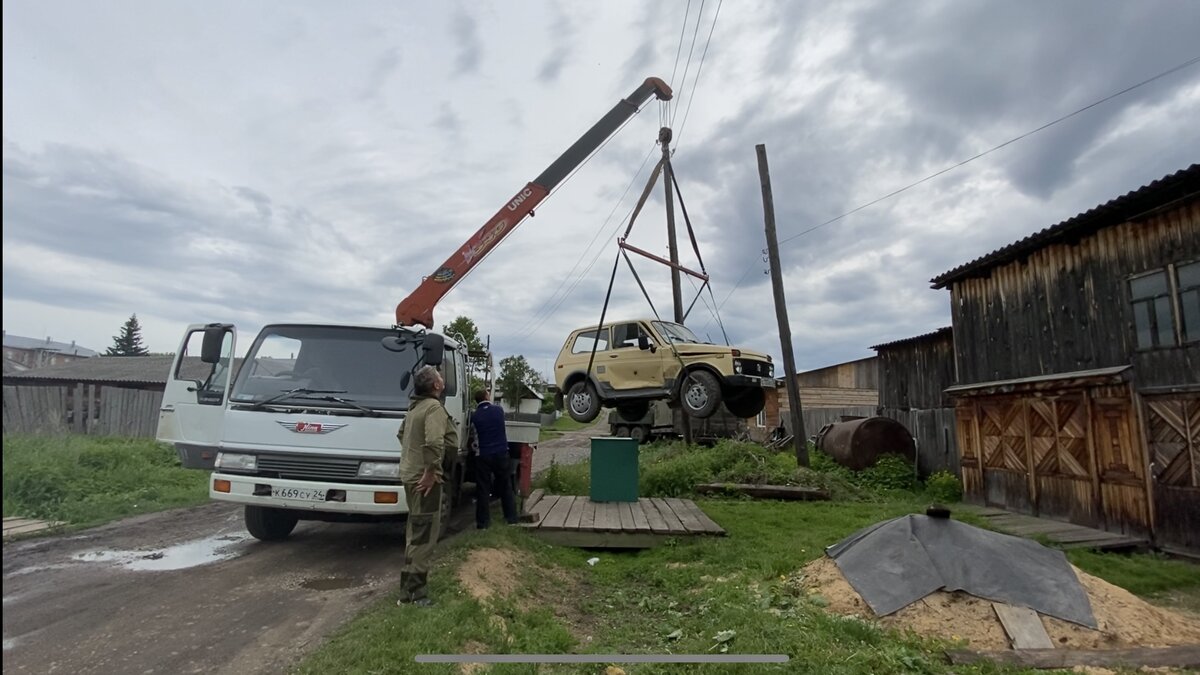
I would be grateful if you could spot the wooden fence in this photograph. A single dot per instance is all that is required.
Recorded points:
(82, 409)
(933, 430)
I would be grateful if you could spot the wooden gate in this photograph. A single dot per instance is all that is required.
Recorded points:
(1067, 454)
(1173, 433)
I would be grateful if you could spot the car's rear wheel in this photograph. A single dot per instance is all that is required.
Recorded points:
(583, 405)
(746, 402)
(701, 394)
(270, 524)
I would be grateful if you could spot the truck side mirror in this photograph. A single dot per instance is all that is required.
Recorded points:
(210, 348)
(644, 343)
(434, 348)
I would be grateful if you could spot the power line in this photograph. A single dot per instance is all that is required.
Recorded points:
(679, 49)
(688, 65)
(1190, 62)
(696, 83)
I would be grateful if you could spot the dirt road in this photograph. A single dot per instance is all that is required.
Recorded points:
(571, 447)
(188, 590)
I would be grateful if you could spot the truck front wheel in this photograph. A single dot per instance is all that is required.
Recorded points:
(638, 433)
(270, 524)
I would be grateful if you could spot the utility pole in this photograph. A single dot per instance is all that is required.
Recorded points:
(664, 139)
(799, 438)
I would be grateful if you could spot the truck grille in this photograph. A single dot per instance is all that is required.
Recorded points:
(757, 368)
(304, 466)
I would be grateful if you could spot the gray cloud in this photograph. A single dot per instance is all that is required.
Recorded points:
(384, 68)
(562, 37)
(465, 31)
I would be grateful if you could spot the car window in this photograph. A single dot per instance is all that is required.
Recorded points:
(627, 334)
(587, 339)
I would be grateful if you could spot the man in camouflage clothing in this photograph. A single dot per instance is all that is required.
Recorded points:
(426, 436)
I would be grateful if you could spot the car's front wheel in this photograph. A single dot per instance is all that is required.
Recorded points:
(583, 405)
(701, 394)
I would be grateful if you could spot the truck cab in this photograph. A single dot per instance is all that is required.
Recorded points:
(305, 425)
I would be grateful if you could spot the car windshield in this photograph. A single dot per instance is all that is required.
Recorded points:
(347, 361)
(675, 332)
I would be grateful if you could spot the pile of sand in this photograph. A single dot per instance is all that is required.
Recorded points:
(1124, 620)
(492, 572)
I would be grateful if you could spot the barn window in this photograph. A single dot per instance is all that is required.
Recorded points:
(1187, 280)
(1152, 317)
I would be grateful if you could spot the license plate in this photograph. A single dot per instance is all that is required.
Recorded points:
(768, 382)
(297, 493)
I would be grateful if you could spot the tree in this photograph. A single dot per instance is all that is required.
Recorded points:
(515, 375)
(129, 342)
(463, 327)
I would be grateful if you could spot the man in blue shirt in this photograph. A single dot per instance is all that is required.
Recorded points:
(491, 462)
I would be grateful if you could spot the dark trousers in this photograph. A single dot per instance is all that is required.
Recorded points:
(492, 471)
(424, 524)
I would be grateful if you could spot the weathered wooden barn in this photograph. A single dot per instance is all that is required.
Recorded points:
(914, 374)
(1077, 356)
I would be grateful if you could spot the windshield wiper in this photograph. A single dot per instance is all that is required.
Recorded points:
(292, 392)
(338, 399)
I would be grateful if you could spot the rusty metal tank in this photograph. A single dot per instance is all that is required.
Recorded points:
(857, 444)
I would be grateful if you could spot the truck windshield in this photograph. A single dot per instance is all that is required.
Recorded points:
(675, 332)
(347, 360)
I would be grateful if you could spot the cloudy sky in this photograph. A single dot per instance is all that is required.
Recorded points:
(307, 161)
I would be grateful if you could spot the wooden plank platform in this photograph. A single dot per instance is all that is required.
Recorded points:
(578, 521)
(1062, 534)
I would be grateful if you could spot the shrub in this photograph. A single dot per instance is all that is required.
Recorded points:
(891, 472)
(944, 487)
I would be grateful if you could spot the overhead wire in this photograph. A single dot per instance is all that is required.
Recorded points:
(696, 82)
(1190, 62)
(688, 65)
(679, 49)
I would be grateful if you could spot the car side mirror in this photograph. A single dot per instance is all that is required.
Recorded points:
(434, 348)
(644, 343)
(210, 348)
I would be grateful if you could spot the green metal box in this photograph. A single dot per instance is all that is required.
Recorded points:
(614, 470)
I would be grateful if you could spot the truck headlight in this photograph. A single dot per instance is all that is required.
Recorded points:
(379, 470)
(236, 461)
(737, 367)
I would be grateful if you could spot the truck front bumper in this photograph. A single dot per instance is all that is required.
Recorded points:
(338, 497)
(750, 381)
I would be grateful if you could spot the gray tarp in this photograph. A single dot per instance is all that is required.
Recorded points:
(897, 562)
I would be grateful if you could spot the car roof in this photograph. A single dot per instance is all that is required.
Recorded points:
(609, 324)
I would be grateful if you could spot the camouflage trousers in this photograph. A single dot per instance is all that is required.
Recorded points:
(421, 536)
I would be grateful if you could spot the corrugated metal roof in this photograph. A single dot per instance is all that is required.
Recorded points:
(22, 342)
(945, 330)
(1179, 185)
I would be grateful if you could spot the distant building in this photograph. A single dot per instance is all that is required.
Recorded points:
(23, 353)
(530, 403)
(853, 384)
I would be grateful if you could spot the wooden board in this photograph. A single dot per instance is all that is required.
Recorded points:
(789, 492)
(686, 517)
(533, 498)
(710, 526)
(575, 515)
(1186, 656)
(672, 520)
(607, 518)
(1024, 627)
(640, 522)
(625, 515)
(653, 517)
(587, 519)
(558, 513)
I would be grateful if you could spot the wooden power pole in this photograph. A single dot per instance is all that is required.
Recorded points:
(785, 331)
(664, 138)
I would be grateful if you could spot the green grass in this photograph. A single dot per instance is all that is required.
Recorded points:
(677, 598)
(85, 480)
(1148, 575)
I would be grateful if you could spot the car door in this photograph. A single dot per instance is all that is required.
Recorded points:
(629, 366)
(192, 412)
